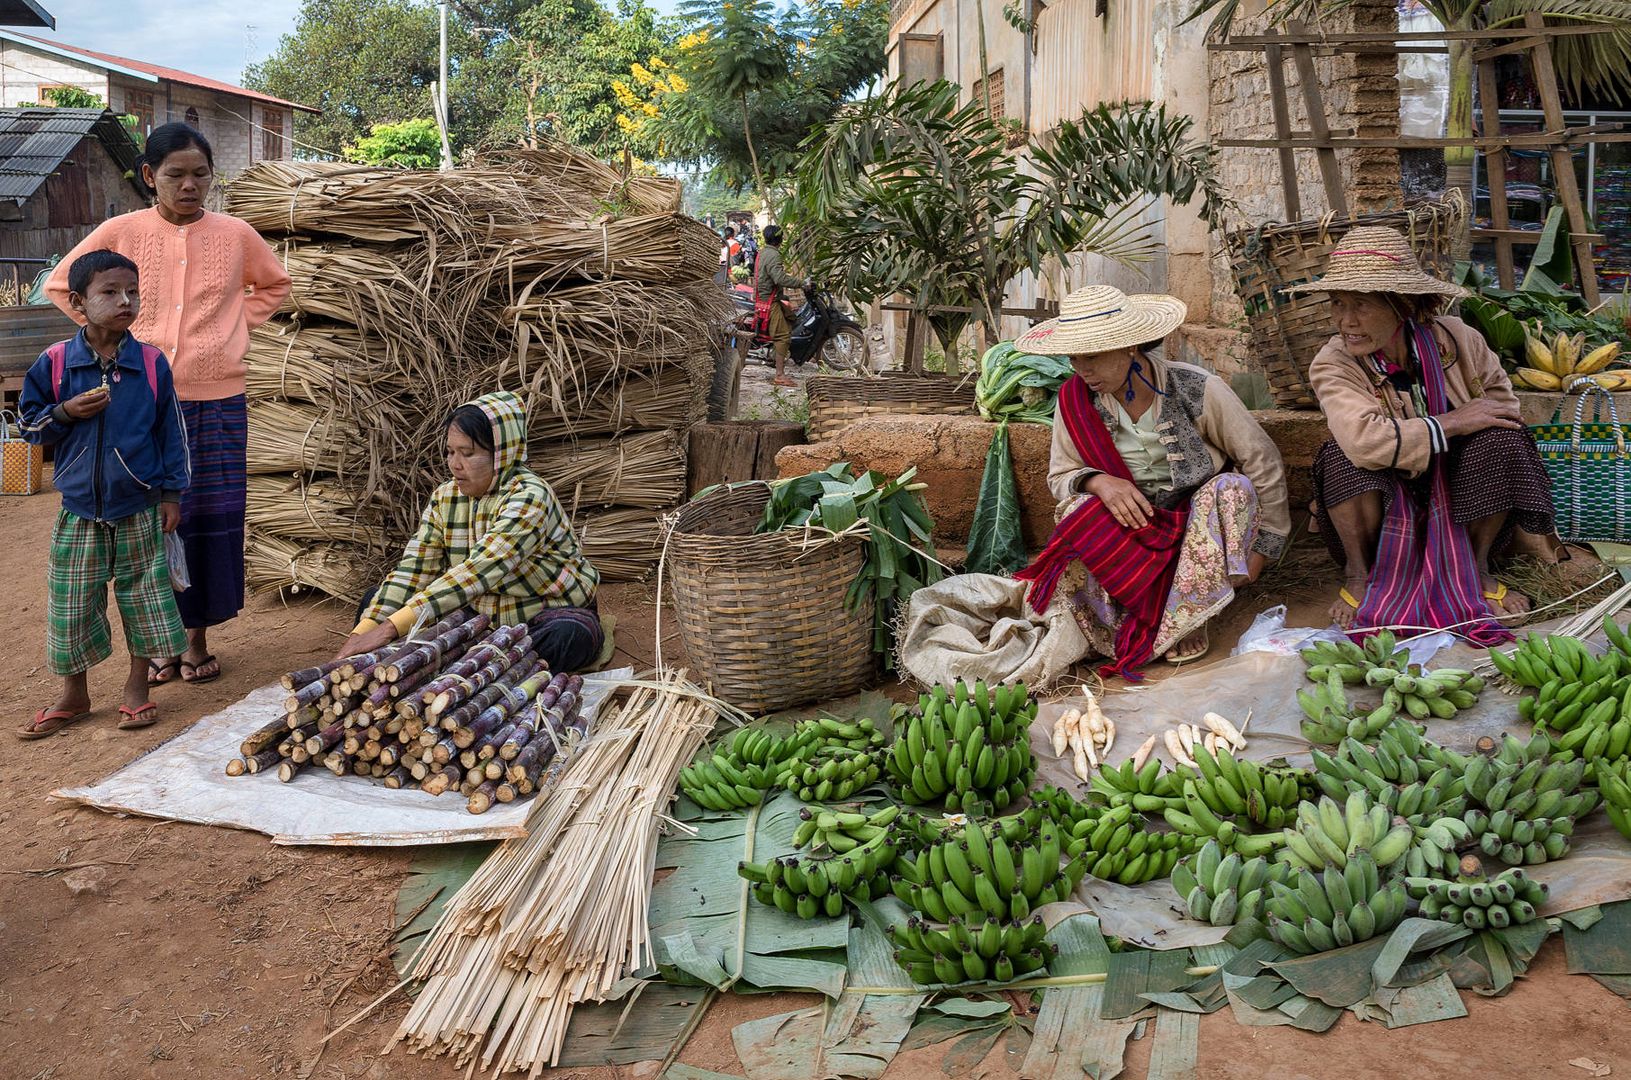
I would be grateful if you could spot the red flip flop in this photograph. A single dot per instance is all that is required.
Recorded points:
(50, 721)
(144, 716)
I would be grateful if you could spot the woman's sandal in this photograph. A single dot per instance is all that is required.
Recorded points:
(50, 721)
(144, 716)
(196, 679)
(1206, 647)
(156, 670)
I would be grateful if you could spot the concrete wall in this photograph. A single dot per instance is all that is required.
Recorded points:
(24, 72)
(1138, 51)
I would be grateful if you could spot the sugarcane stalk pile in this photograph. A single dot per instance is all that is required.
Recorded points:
(543, 272)
(468, 707)
(559, 917)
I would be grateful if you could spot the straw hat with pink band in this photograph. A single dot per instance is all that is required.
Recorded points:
(1100, 319)
(1376, 259)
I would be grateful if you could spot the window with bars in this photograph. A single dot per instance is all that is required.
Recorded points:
(272, 142)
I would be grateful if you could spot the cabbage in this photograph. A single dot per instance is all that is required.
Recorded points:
(1019, 386)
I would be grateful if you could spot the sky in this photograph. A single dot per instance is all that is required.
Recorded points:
(206, 37)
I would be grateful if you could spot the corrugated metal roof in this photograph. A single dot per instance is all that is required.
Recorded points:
(33, 143)
(25, 13)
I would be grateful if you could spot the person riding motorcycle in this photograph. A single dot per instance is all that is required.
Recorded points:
(770, 278)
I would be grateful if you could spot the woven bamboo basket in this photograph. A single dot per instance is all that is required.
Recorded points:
(837, 401)
(1287, 331)
(763, 616)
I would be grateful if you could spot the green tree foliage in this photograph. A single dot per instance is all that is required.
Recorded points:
(412, 144)
(572, 56)
(758, 81)
(910, 192)
(367, 62)
(73, 97)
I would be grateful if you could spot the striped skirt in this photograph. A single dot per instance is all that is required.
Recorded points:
(1495, 471)
(212, 511)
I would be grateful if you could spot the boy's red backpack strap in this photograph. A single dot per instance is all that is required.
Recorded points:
(59, 363)
(150, 361)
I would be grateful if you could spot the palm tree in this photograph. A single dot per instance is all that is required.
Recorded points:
(1596, 63)
(909, 192)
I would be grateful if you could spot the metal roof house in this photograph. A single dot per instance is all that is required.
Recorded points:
(243, 126)
(62, 172)
(25, 13)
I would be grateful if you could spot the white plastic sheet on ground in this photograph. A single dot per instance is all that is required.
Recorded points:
(184, 779)
(1596, 871)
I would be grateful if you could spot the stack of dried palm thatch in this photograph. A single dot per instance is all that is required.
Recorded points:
(544, 272)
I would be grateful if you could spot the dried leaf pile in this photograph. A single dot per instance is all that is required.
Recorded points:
(544, 272)
(558, 918)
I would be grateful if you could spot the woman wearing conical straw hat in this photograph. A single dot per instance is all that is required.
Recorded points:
(1170, 494)
(1430, 467)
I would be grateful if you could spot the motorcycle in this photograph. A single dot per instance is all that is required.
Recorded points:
(820, 330)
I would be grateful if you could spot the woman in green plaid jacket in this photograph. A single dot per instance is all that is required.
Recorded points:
(494, 538)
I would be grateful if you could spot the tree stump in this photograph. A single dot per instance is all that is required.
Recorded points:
(727, 452)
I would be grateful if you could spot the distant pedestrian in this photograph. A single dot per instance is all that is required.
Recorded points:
(727, 255)
(207, 279)
(107, 403)
(769, 279)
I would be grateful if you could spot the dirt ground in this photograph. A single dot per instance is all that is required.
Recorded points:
(138, 949)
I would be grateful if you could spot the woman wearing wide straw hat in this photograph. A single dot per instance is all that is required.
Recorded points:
(1430, 466)
(1170, 494)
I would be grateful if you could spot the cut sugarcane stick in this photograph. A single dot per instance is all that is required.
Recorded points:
(235, 767)
(264, 738)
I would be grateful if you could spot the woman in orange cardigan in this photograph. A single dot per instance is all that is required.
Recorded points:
(207, 279)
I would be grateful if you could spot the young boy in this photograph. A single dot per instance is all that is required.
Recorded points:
(106, 402)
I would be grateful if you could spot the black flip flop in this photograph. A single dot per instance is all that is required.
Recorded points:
(154, 668)
(197, 680)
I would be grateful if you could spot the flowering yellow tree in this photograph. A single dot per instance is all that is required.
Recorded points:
(638, 96)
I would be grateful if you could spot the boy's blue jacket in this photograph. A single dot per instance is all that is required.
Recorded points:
(128, 457)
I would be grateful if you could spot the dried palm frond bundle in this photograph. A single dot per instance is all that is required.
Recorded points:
(343, 571)
(314, 360)
(624, 545)
(600, 186)
(355, 284)
(301, 509)
(668, 398)
(658, 248)
(288, 197)
(287, 437)
(647, 469)
(570, 340)
(557, 918)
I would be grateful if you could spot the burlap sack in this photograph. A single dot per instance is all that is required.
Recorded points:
(977, 626)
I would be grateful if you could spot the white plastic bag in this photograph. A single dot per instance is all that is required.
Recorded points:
(176, 553)
(1269, 633)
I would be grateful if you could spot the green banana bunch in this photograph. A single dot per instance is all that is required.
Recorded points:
(1381, 650)
(1329, 717)
(966, 747)
(1339, 906)
(1113, 843)
(1615, 785)
(723, 781)
(1523, 802)
(833, 772)
(978, 870)
(979, 949)
(1148, 789)
(1511, 898)
(1242, 790)
(1410, 775)
(1434, 849)
(1197, 819)
(816, 885)
(1332, 834)
(1539, 659)
(1223, 889)
(841, 832)
(1589, 719)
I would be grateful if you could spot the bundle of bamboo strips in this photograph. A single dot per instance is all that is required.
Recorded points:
(557, 918)
(622, 543)
(415, 291)
(467, 707)
(645, 469)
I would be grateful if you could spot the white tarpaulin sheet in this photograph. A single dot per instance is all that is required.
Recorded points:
(185, 780)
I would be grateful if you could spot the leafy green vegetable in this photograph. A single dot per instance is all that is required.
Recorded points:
(995, 542)
(1019, 386)
(898, 549)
